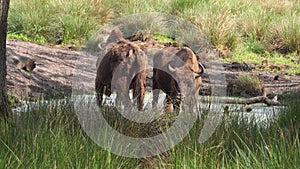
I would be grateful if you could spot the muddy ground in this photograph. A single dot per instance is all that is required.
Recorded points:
(55, 67)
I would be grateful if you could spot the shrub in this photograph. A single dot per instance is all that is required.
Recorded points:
(246, 85)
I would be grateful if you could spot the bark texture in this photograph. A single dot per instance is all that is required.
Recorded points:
(4, 108)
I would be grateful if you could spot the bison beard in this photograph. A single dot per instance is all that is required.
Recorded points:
(122, 68)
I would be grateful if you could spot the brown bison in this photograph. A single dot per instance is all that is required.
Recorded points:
(176, 72)
(121, 69)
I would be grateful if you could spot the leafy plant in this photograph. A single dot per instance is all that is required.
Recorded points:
(246, 85)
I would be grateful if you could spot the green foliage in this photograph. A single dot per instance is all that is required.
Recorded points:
(244, 56)
(286, 35)
(49, 136)
(24, 38)
(229, 25)
(240, 143)
(290, 61)
(251, 30)
(180, 6)
(26, 18)
(247, 84)
(13, 99)
(51, 21)
(254, 45)
(163, 39)
(289, 120)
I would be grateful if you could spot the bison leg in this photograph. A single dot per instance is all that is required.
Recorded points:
(168, 103)
(99, 95)
(139, 84)
(155, 90)
(176, 103)
(107, 90)
(123, 98)
(155, 95)
(122, 90)
(172, 100)
(139, 94)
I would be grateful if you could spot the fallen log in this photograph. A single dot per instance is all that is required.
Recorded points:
(282, 85)
(252, 100)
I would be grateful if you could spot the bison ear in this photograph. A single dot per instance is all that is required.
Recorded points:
(115, 36)
(181, 58)
(182, 54)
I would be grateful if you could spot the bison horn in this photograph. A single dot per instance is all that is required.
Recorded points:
(196, 75)
(172, 69)
(201, 67)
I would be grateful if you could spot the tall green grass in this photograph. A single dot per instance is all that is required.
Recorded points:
(57, 20)
(238, 143)
(255, 26)
(50, 136)
(241, 30)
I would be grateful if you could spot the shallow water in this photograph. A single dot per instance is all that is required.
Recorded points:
(259, 111)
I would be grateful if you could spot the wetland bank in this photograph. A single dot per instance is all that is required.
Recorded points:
(50, 135)
(47, 130)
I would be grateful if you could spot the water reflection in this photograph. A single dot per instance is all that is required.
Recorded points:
(258, 111)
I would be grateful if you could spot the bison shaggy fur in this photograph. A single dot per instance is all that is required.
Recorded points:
(176, 72)
(121, 69)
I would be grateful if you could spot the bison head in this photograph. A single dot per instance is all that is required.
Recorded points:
(186, 57)
(187, 81)
(177, 72)
(187, 71)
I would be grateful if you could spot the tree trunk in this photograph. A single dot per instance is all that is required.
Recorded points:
(4, 108)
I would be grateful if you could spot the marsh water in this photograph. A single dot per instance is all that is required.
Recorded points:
(258, 112)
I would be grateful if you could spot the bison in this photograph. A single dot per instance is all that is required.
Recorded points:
(176, 72)
(121, 69)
